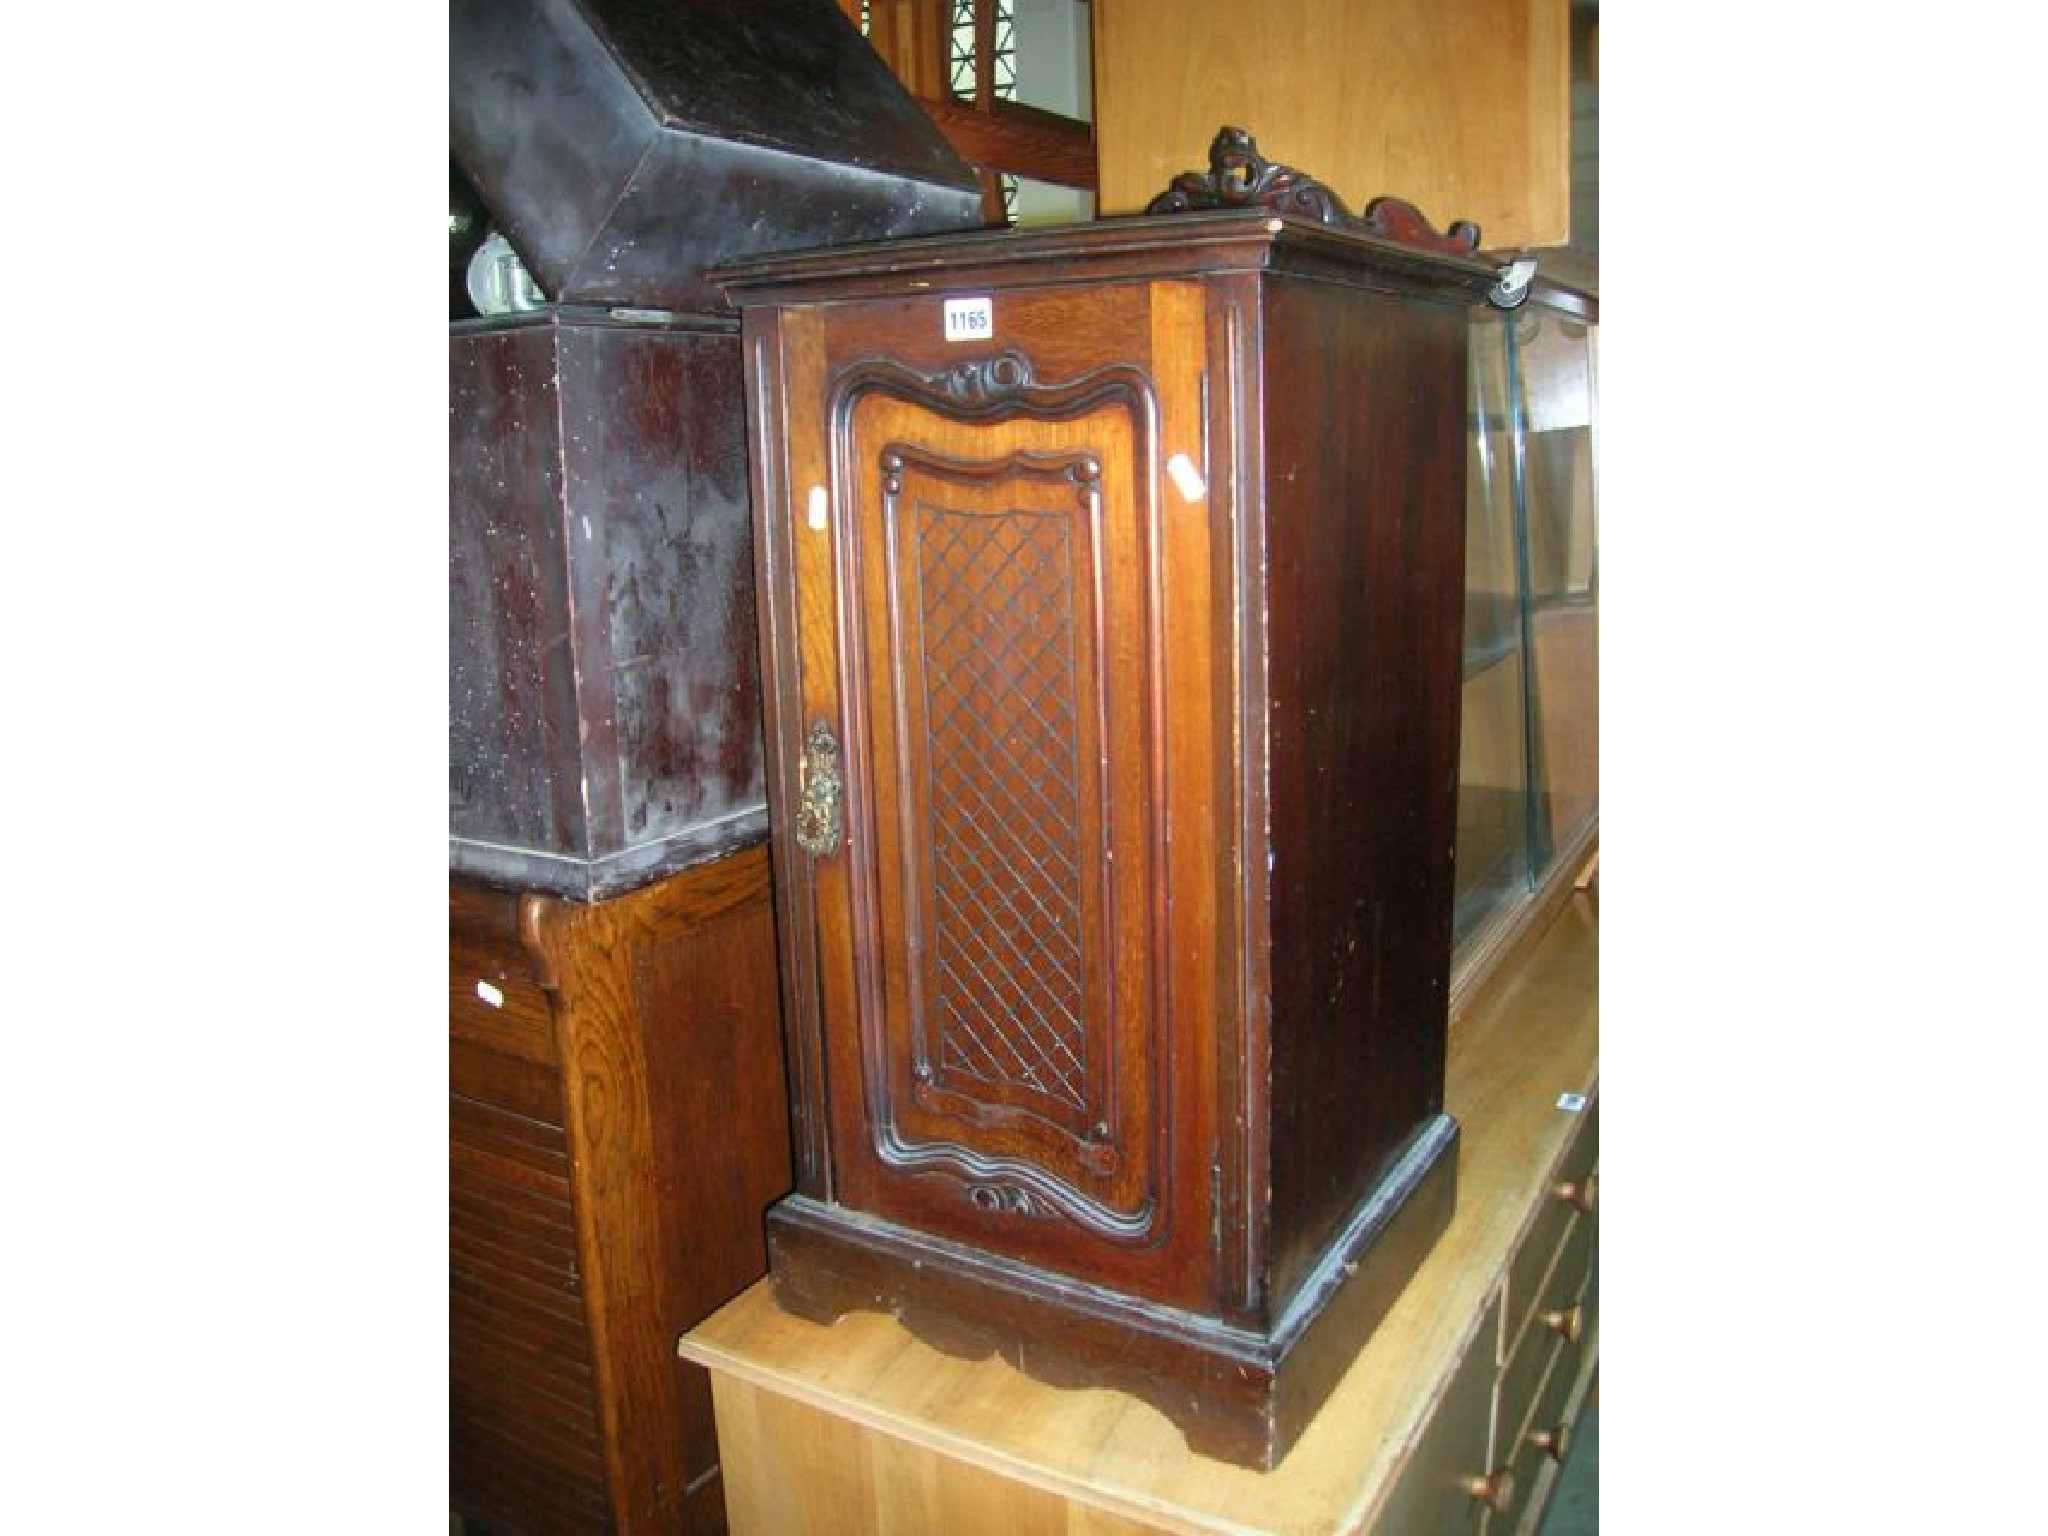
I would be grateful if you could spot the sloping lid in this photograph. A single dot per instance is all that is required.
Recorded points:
(793, 76)
(624, 145)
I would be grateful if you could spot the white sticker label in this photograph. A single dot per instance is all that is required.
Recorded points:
(1186, 478)
(490, 994)
(815, 513)
(970, 319)
(1571, 1103)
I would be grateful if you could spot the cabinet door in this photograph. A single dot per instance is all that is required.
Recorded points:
(1001, 1062)
(1000, 598)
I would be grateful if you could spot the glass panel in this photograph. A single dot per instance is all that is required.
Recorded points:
(1493, 598)
(1052, 69)
(1556, 366)
(1032, 204)
(1554, 362)
(1493, 808)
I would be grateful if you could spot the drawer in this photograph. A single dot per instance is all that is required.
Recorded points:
(1531, 1451)
(1534, 1448)
(1433, 1496)
(1567, 1191)
(1560, 1293)
(1545, 1434)
(494, 1002)
(1591, 1300)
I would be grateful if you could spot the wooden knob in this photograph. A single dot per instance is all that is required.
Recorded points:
(1570, 1323)
(1555, 1443)
(1496, 1490)
(1582, 1195)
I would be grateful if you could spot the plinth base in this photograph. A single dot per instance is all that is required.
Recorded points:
(1239, 1395)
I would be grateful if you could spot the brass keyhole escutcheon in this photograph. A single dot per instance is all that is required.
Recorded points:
(817, 809)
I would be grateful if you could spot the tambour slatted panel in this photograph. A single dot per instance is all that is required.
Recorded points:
(527, 1317)
(538, 1432)
(505, 1165)
(525, 1442)
(528, 1498)
(502, 1129)
(479, 1251)
(520, 1088)
(515, 1217)
(616, 1124)
(490, 1359)
(513, 1019)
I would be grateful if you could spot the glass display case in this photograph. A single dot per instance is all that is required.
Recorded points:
(1528, 782)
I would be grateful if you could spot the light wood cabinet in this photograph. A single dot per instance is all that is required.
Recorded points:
(860, 1428)
(1460, 106)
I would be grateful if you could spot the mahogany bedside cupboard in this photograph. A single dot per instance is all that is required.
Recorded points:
(1111, 582)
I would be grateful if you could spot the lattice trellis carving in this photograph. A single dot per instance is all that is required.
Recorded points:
(1002, 743)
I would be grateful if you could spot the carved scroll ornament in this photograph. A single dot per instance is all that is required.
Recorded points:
(1240, 177)
(981, 380)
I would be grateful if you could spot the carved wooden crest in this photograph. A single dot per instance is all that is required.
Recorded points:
(1240, 177)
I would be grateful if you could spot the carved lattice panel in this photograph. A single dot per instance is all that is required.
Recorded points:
(1001, 742)
(1003, 935)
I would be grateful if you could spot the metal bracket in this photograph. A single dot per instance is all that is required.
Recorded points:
(1511, 284)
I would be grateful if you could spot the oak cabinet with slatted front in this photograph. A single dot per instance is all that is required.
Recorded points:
(1111, 580)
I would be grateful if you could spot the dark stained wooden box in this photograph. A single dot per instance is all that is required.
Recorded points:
(604, 714)
(1113, 650)
(604, 724)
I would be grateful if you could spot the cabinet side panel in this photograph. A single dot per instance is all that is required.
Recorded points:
(705, 984)
(654, 444)
(672, 1084)
(513, 758)
(1365, 464)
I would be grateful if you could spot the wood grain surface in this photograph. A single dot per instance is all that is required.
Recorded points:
(1462, 107)
(1104, 612)
(859, 1427)
(617, 1125)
